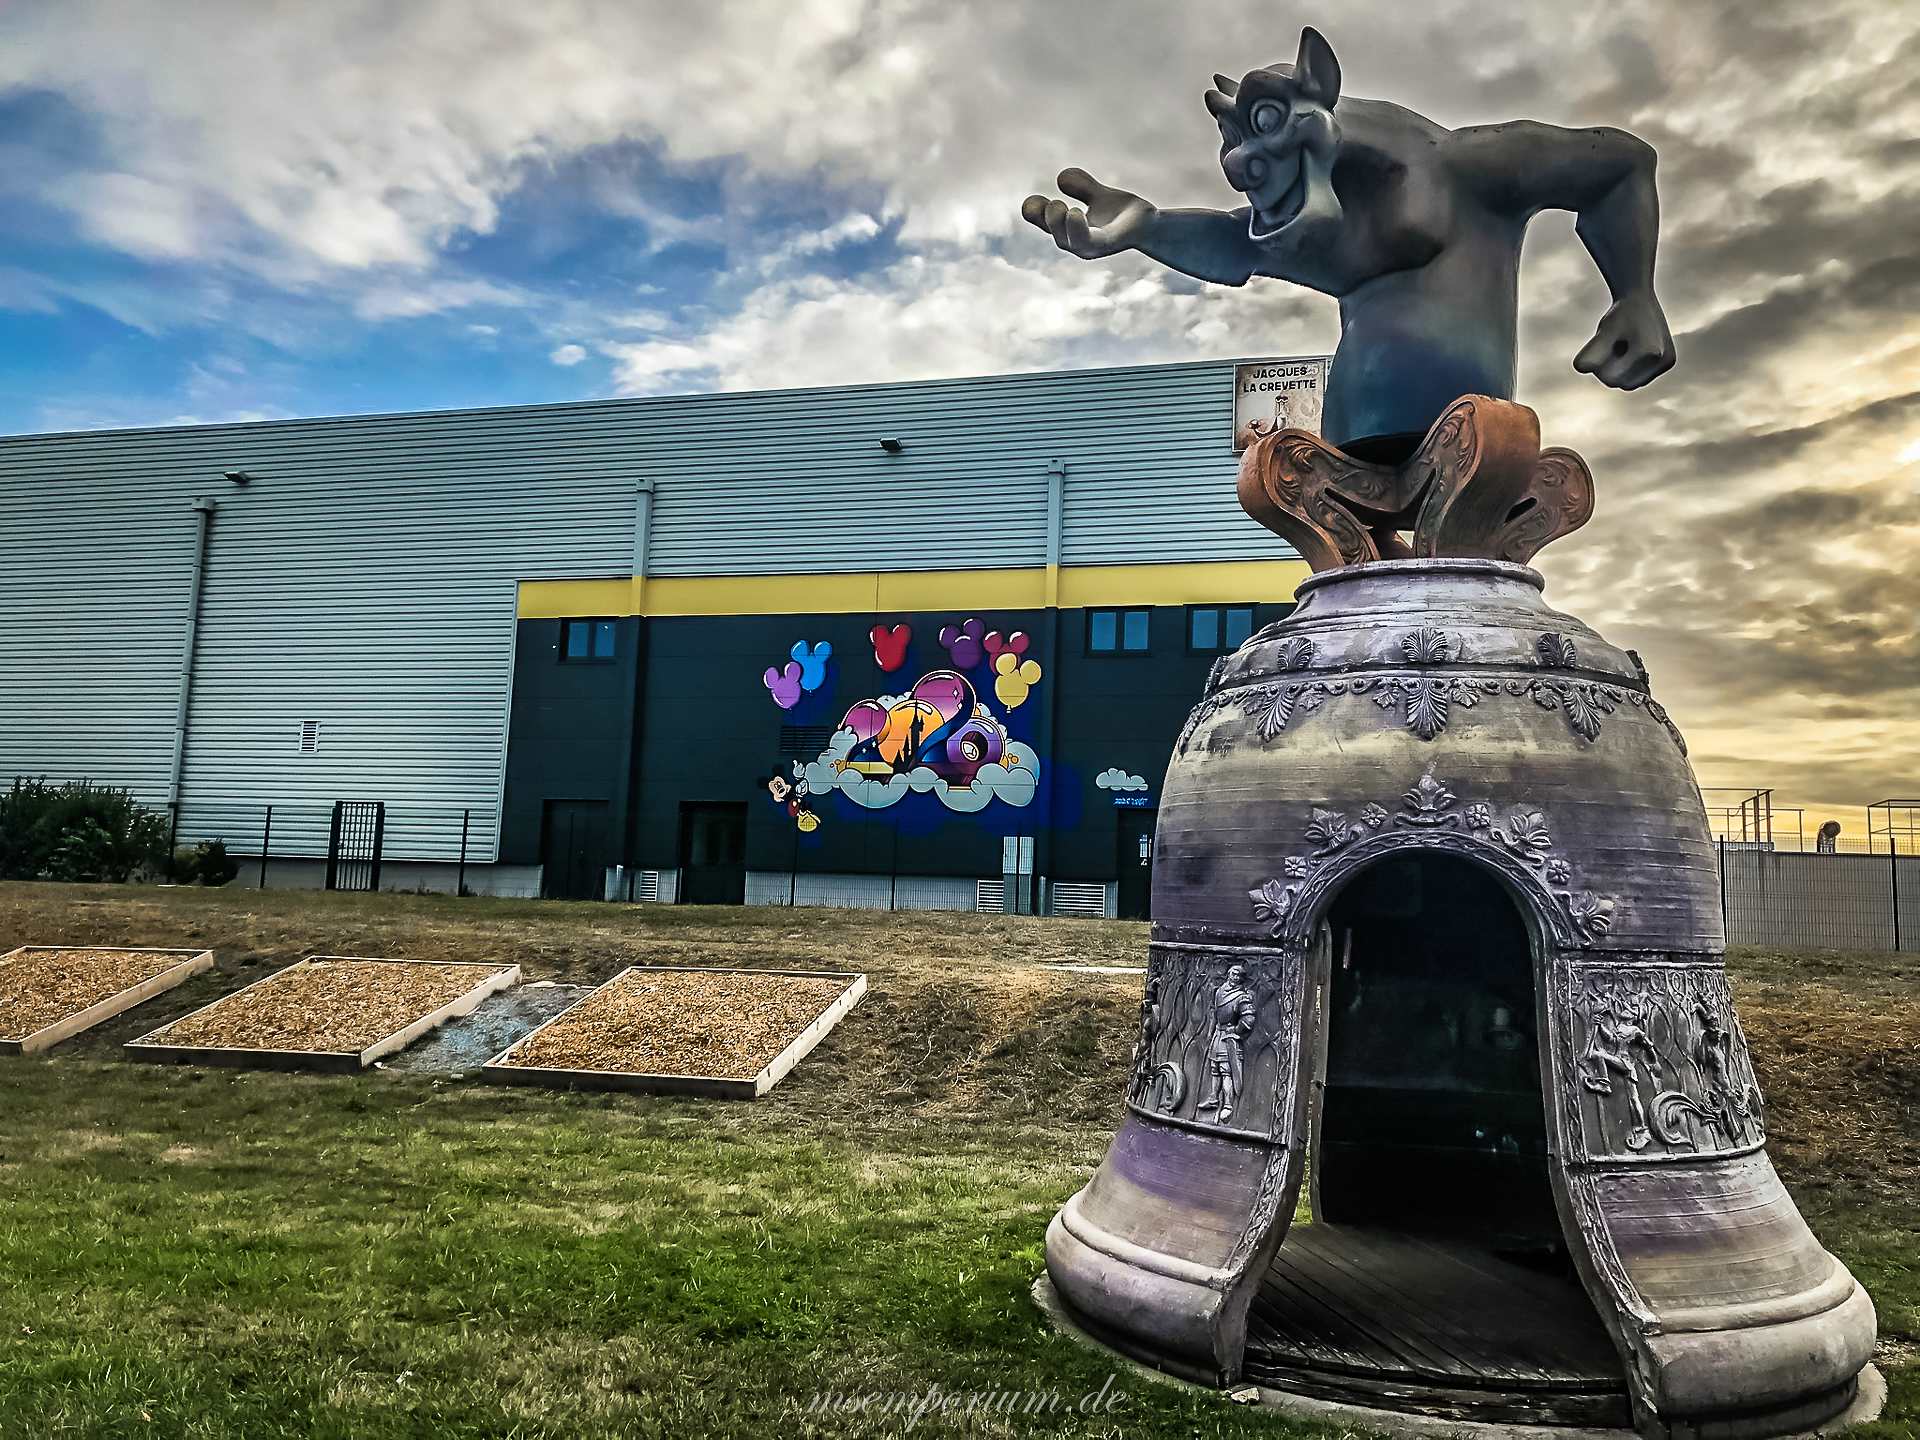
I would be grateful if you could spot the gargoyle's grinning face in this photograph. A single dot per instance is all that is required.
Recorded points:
(1277, 138)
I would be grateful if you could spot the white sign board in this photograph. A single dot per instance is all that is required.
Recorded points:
(1270, 395)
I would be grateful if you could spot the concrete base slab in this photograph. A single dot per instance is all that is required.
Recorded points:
(1867, 1404)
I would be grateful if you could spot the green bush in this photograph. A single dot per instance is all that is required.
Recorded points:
(78, 831)
(207, 864)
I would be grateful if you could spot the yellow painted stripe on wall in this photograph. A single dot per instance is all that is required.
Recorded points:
(553, 599)
(914, 590)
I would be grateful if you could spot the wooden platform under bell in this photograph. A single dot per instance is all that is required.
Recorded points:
(1388, 1319)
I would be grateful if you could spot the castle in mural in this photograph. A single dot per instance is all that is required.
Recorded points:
(939, 739)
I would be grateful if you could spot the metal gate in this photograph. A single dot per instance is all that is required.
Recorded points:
(353, 844)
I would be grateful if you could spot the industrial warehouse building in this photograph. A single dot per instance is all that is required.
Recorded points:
(922, 644)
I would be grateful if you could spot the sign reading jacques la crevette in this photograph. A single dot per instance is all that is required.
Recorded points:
(1271, 395)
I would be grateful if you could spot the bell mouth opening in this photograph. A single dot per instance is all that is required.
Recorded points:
(1431, 1118)
(1434, 1271)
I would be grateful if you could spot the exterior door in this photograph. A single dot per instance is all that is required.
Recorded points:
(1134, 864)
(713, 853)
(573, 850)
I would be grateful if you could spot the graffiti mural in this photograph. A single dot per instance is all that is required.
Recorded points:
(996, 645)
(963, 643)
(890, 645)
(804, 673)
(1013, 678)
(938, 739)
(791, 794)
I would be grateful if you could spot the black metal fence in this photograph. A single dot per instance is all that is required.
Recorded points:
(1850, 899)
(350, 844)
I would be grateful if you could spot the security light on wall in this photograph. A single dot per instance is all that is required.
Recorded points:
(891, 445)
(238, 477)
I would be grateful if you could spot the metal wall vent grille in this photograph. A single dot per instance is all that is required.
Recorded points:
(990, 895)
(309, 737)
(646, 886)
(804, 742)
(1076, 898)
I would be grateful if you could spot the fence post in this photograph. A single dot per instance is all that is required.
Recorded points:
(1723, 884)
(460, 882)
(1893, 885)
(266, 842)
(893, 868)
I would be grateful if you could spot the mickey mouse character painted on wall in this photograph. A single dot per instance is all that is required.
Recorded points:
(793, 795)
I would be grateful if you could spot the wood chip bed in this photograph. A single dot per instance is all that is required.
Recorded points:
(700, 1031)
(331, 1012)
(51, 992)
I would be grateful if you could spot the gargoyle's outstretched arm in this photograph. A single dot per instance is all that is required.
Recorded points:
(1206, 244)
(1604, 176)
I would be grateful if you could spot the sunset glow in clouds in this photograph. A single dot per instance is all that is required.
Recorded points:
(223, 211)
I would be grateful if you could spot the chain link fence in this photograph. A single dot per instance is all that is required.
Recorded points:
(1848, 899)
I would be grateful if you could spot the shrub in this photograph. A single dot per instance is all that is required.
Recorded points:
(209, 864)
(78, 831)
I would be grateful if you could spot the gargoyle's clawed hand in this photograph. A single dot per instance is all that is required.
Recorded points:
(1112, 220)
(1632, 345)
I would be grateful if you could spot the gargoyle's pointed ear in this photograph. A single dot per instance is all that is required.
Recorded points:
(1226, 85)
(1218, 105)
(1316, 70)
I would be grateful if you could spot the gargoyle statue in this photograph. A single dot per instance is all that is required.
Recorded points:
(1414, 228)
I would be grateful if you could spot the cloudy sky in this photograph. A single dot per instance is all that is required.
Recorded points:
(214, 210)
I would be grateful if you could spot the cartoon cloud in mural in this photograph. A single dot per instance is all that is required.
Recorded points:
(1119, 780)
(937, 739)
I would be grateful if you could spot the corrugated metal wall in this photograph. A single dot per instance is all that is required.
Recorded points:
(366, 578)
(796, 480)
(94, 560)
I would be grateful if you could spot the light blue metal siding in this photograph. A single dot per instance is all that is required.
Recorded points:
(790, 481)
(94, 561)
(366, 578)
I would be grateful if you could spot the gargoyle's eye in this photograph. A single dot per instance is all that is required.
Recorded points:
(1267, 116)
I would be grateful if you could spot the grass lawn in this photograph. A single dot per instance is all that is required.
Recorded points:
(213, 1252)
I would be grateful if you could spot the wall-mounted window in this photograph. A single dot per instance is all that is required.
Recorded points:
(586, 640)
(1215, 628)
(1117, 632)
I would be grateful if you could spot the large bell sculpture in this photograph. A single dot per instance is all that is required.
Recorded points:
(1436, 923)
